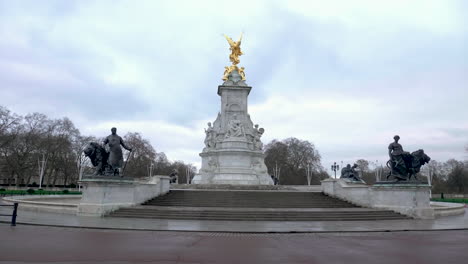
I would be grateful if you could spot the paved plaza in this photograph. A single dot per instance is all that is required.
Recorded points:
(39, 244)
(458, 222)
(62, 238)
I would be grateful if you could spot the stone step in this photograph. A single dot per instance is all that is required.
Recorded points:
(263, 206)
(264, 218)
(271, 199)
(247, 205)
(248, 215)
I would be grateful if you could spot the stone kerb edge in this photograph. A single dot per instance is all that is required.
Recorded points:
(447, 209)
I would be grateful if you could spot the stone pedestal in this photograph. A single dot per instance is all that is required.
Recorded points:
(102, 196)
(409, 199)
(233, 152)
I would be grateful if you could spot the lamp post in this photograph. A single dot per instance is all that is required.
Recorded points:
(150, 169)
(377, 171)
(276, 172)
(42, 165)
(187, 174)
(335, 167)
(309, 173)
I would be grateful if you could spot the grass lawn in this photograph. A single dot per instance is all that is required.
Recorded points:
(451, 200)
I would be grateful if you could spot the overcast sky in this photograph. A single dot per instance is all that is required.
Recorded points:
(345, 75)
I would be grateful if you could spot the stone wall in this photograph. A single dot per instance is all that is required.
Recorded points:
(408, 199)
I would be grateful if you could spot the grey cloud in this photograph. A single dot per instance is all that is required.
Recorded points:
(416, 78)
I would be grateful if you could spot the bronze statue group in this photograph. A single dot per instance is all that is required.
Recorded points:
(108, 162)
(402, 164)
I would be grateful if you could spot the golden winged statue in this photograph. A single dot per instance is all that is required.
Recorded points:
(234, 58)
(235, 49)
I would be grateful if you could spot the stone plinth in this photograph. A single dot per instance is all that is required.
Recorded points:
(233, 152)
(408, 199)
(102, 196)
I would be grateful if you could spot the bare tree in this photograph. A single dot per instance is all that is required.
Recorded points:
(26, 141)
(293, 156)
(363, 165)
(142, 156)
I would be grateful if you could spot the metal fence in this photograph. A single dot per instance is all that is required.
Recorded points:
(13, 216)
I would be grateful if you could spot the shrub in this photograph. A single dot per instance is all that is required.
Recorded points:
(30, 191)
(65, 191)
(2, 190)
(34, 184)
(72, 185)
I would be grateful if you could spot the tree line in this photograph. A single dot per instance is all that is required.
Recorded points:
(291, 158)
(34, 141)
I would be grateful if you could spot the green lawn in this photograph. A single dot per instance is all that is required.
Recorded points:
(451, 200)
(34, 192)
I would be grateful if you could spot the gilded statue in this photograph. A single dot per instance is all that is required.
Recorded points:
(235, 49)
(234, 58)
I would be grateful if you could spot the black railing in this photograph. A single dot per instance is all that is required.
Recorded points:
(13, 216)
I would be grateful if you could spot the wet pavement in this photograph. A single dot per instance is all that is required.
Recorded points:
(65, 220)
(39, 244)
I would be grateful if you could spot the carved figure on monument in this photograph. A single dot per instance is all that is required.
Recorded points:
(212, 164)
(404, 165)
(210, 139)
(349, 172)
(258, 145)
(235, 128)
(258, 167)
(255, 129)
(115, 151)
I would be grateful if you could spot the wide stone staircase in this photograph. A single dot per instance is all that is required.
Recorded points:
(235, 205)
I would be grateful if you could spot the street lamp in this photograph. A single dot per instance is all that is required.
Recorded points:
(335, 167)
(309, 173)
(276, 172)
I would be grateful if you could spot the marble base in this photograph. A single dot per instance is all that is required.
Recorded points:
(233, 166)
(233, 179)
(233, 148)
(102, 196)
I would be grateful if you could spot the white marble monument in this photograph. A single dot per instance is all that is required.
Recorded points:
(233, 148)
